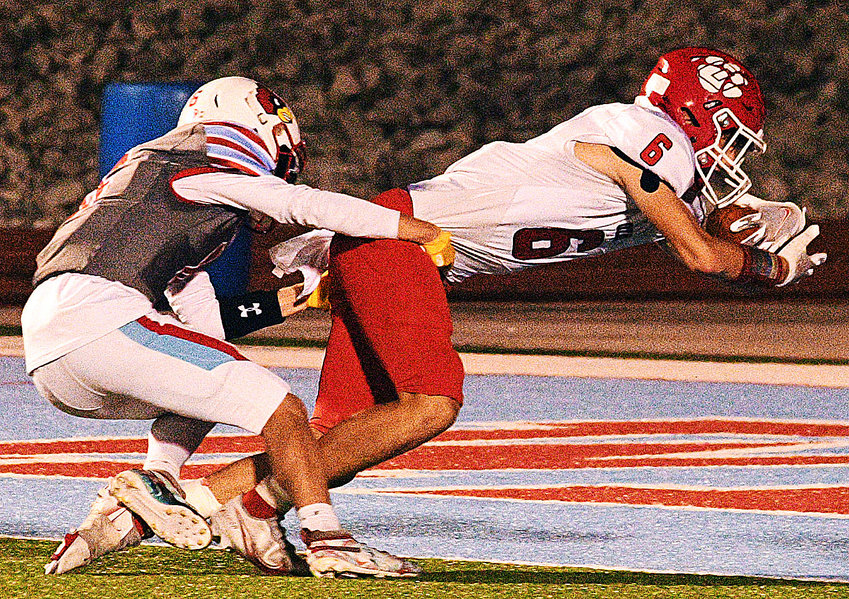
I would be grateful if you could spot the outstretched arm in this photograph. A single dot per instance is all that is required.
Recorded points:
(302, 205)
(697, 249)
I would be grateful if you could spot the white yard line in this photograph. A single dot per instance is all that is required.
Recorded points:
(807, 375)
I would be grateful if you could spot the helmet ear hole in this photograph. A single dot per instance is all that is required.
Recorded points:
(689, 117)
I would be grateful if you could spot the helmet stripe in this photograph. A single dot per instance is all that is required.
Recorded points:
(232, 145)
(223, 142)
(231, 126)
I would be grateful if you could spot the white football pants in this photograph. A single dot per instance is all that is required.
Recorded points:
(155, 366)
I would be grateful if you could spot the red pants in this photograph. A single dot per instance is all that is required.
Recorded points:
(391, 327)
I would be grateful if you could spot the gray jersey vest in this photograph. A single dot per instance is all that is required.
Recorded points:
(136, 230)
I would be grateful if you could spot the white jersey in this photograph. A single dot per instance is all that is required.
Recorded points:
(510, 206)
(69, 310)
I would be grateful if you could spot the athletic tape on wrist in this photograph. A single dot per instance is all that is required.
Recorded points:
(762, 268)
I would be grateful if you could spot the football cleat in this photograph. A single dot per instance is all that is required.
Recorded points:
(158, 501)
(261, 541)
(336, 554)
(108, 527)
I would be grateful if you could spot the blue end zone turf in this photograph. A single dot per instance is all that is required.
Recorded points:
(778, 442)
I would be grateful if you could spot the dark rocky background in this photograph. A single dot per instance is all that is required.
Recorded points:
(392, 92)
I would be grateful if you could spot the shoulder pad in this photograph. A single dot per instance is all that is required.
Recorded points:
(655, 142)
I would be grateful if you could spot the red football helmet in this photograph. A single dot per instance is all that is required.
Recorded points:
(718, 103)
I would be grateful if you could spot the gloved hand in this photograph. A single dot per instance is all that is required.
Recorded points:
(796, 253)
(772, 226)
(320, 297)
(440, 250)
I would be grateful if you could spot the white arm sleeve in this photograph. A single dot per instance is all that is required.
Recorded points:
(290, 204)
(195, 305)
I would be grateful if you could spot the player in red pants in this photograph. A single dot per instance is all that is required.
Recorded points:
(394, 366)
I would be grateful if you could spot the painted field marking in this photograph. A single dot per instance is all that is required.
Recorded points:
(543, 448)
(808, 375)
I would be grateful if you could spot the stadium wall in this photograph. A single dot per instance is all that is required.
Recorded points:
(389, 92)
(642, 273)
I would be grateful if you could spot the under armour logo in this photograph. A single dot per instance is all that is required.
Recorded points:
(245, 312)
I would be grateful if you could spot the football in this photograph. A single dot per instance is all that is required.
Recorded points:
(718, 223)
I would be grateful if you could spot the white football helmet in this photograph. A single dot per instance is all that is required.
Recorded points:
(245, 102)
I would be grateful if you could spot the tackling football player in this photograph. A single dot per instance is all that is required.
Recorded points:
(97, 347)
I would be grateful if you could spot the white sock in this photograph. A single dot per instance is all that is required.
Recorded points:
(319, 516)
(171, 440)
(200, 496)
(163, 466)
(166, 457)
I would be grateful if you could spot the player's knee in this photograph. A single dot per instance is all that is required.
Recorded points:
(433, 413)
(290, 413)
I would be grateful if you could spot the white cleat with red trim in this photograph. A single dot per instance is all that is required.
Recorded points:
(108, 527)
(336, 554)
(260, 540)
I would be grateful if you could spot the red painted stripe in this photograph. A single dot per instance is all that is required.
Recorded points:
(193, 336)
(586, 456)
(212, 444)
(684, 427)
(830, 500)
(109, 446)
(232, 444)
(95, 469)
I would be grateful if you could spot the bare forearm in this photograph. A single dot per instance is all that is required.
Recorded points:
(415, 230)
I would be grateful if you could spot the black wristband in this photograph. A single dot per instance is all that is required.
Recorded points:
(762, 268)
(250, 312)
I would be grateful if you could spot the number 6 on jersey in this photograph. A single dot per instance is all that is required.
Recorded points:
(653, 152)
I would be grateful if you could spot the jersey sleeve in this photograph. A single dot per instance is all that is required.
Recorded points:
(195, 304)
(288, 204)
(655, 142)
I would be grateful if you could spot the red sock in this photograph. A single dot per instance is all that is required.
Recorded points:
(258, 507)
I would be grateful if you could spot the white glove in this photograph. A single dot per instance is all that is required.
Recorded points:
(308, 253)
(310, 249)
(796, 253)
(778, 223)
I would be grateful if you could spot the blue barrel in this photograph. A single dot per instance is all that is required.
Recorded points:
(133, 113)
